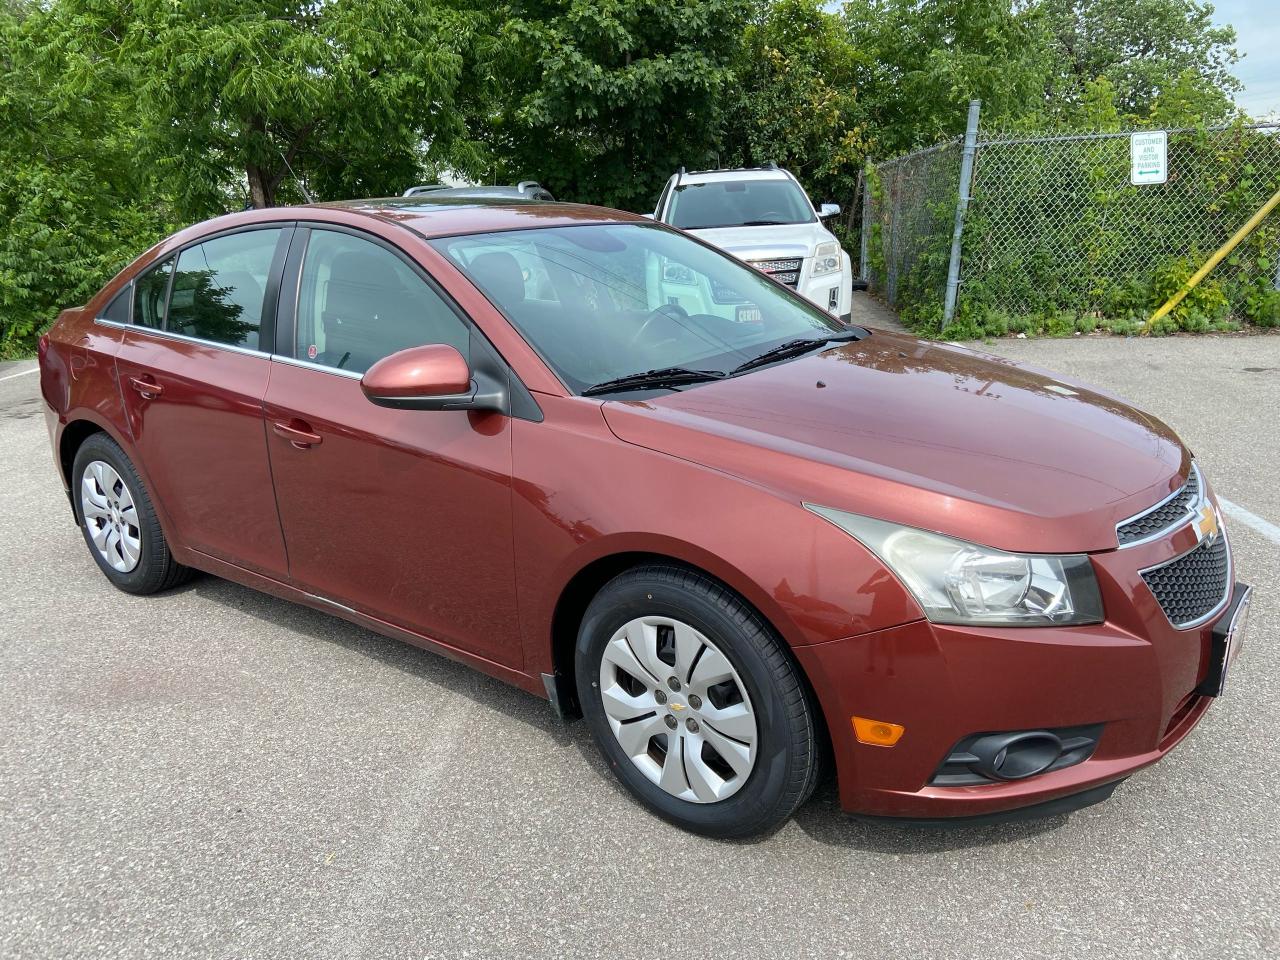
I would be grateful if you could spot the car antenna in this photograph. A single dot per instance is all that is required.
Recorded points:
(306, 194)
(679, 176)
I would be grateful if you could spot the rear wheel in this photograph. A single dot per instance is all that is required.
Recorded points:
(696, 703)
(118, 522)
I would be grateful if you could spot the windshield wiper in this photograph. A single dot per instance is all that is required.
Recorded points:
(793, 348)
(765, 223)
(664, 377)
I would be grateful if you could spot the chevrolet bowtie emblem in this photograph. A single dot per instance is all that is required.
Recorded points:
(1207, 524)
(677, 706)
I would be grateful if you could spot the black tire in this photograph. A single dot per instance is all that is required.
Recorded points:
(787, 759)
(156, 569)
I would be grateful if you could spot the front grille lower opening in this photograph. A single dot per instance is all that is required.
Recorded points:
(1194, 585)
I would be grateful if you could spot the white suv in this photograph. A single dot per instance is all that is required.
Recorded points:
(763, 216)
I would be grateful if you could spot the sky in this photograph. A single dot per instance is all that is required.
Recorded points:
(1257, 24)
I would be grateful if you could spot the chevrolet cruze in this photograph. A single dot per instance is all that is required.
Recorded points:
(599, 459)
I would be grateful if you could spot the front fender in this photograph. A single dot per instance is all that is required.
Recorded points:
(580, 495)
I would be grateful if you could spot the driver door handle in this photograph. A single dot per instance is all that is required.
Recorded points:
(298, 433)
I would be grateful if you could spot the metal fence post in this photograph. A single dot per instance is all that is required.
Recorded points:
(895, 236)
(864, 244)
(962, 204)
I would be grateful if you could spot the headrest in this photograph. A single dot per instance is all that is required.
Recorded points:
(499, 274)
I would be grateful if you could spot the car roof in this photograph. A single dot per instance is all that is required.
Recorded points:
(431, 216)
(722, 176)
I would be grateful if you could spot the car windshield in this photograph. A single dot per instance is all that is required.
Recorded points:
(738, 203)
(604, 301)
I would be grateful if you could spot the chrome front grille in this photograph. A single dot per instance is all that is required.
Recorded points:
(1166, 515)
(784, 271)
(1194, 586)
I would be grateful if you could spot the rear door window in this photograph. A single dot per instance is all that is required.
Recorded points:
(150, 291)
(117, 311)
(220, 286)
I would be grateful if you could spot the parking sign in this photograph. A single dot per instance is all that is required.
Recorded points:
(1148, 157)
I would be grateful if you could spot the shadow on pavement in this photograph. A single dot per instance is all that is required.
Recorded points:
(436, 669)
(821, 818)
(824, 821)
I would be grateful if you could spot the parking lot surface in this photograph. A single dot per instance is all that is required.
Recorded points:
(216, 773)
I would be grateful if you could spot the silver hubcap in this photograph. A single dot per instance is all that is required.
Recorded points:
(679, 709)
(110, 516)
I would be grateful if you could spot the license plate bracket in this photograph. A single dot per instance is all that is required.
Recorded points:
(1226, 640)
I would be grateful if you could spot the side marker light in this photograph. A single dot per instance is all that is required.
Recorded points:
(878, 733)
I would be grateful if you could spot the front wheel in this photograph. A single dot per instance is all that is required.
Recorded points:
(696, 703)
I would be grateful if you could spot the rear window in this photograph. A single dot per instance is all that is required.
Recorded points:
(738, 203)
(219, 288)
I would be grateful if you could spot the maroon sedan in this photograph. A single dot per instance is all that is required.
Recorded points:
(601, 460)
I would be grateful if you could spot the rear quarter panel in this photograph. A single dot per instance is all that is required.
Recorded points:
(78, 376)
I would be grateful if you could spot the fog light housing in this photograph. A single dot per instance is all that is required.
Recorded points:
(1015, 755)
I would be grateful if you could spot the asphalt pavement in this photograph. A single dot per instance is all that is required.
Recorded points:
(216, 773)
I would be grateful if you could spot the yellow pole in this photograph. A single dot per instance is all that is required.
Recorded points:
(1222, 253)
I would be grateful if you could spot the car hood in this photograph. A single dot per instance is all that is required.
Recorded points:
(762, 243)
(931, 435)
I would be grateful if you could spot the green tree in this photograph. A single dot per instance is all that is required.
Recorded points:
(1155, 53)
(795, 97)
(603, 99)
(241, 101)
(74, 203)
(924, 60)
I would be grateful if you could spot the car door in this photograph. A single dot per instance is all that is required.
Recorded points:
(193, 368)
(404, 515)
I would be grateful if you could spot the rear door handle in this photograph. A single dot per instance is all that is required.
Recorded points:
(297, 433)
(147, 388)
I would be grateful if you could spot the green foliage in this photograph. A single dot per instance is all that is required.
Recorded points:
(243, 100)
(605, 100)
(924, 61)
(1165, 60)
(796, 100)
(123, 119)
(74, 203)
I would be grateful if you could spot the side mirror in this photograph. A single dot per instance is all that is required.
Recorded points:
(432, 377)
(828, 210)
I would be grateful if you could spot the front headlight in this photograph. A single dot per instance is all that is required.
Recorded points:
(959, 582)
(826, 259)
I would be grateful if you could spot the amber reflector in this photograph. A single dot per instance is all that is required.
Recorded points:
(877, 732)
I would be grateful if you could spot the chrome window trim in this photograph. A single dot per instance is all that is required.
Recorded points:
(308, 365)
(292, 361)
(183, 337)
(1201, 500)
(1219, 607)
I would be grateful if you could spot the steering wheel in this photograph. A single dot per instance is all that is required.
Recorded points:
(668, 311)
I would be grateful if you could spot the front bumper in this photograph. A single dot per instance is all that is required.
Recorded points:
(1141, 678)
(821, 290)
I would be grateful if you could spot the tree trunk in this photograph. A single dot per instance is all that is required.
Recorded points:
(262, 188)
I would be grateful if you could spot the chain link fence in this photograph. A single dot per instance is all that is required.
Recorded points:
(912, 203)
(1056, 237)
